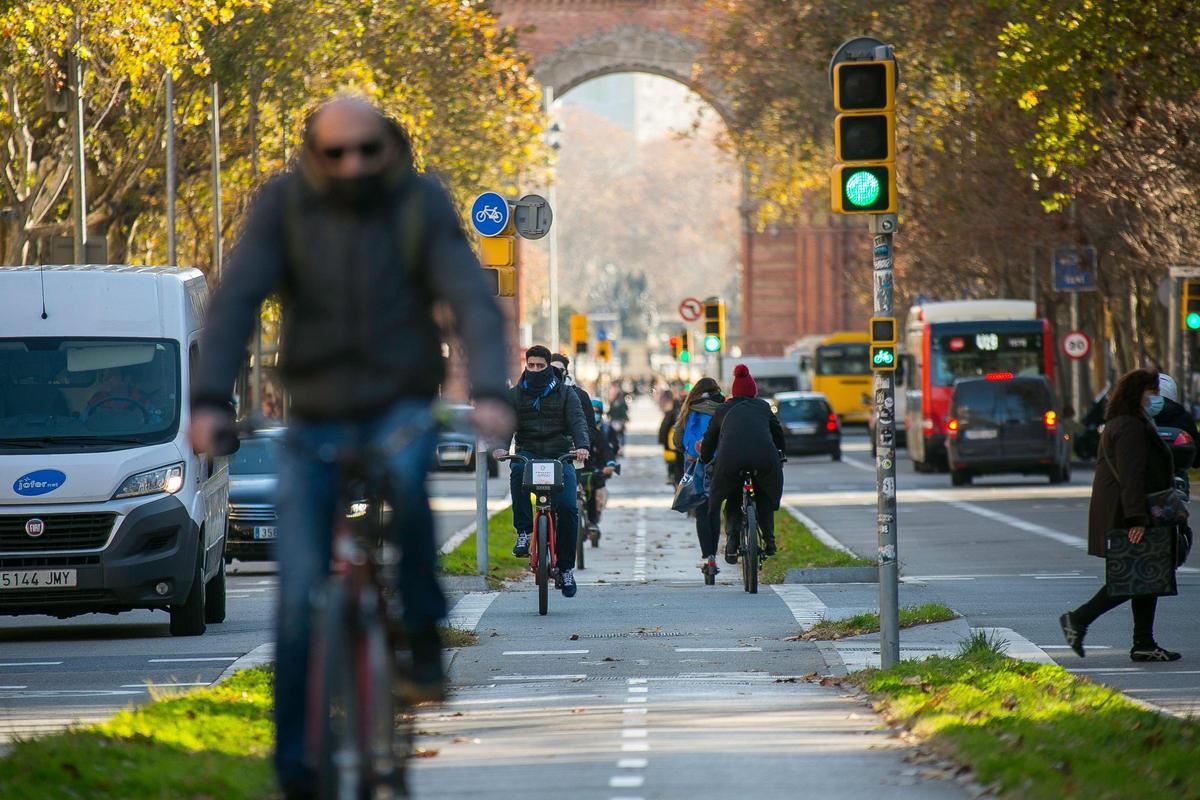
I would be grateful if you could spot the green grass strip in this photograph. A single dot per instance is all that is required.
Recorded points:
(212, 742)
(502, 564)
(799, 549)
(860, 624)
(1036, 731)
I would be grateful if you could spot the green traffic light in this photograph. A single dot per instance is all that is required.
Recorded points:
(685, 356)
(1192, 320)
(863, 189)
(884, 357)
(712, 343)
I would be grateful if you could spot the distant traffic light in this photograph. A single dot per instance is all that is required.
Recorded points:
(1190, 306)
(676, 345)
(714, 325)
(864, 138)
(604, 350)
(579, 338)
(685, 346)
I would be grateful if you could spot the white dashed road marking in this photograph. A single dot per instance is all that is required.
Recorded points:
(469, 610)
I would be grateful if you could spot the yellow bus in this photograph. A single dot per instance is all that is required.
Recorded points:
(836, 365)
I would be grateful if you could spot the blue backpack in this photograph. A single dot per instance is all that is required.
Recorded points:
(693, 432)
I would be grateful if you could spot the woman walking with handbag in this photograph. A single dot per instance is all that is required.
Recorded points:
(694, 416)
(1132, 464)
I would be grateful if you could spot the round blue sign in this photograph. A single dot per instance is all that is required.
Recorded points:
(489, 214)
(43, 481)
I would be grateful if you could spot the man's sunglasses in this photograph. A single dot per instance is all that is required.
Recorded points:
(368, 149)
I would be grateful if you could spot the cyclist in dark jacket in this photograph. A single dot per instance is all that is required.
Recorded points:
(562, 366)
(550, 423)
(360, 249)
(744, 434)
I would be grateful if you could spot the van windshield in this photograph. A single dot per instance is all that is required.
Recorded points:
(85, 393)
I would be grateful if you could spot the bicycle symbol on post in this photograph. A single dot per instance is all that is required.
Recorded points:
(489, 213)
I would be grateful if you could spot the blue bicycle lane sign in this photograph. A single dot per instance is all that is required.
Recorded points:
(489, 214)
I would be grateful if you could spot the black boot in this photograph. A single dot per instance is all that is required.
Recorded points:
(427, 679)
(769, 544)
(731, 549)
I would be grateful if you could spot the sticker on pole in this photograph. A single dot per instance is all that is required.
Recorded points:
(489, 214)
(1076, 345)
(690, 309)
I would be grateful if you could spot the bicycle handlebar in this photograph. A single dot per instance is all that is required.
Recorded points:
(526, 459)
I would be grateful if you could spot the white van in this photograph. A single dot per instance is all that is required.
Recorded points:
(103, 505)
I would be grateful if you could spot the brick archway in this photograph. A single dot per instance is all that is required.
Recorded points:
(794, 276)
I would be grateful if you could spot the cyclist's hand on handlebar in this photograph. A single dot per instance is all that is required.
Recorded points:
(608, 471)
(499, 453)
(582, 453)
(492, 418)
(207, 427)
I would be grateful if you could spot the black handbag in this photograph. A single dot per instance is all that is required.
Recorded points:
(692, 491)
(1145, 568)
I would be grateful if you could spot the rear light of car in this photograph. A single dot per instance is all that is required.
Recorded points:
(1183, 439)
(952, 425)
(1050, 419)
(999, 376)
(831, 423)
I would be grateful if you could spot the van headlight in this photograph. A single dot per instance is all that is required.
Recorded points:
(167, 479)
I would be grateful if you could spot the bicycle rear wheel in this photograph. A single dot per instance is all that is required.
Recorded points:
(334, 736)
(543, 563)
(750, 556)
(382, 758)
(581, 534)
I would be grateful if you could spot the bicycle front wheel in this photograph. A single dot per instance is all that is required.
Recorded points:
(543, 563)
(382, 753)
(750, 554)
(333, 707)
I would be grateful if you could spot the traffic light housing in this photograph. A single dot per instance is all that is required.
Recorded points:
(604, 350)
(686, 347)
(863, 181)
(714, 326)
(579, 338)
(1189, 309)
(498, 254)
(676, 344)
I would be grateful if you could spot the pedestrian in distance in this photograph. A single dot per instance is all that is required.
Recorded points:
(1132, 463)
(670, 409)
(744, 434)
(695, 416)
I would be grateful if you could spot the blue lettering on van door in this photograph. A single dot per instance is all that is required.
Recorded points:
(43, 481)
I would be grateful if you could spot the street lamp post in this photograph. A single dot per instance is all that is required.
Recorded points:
(555, 144)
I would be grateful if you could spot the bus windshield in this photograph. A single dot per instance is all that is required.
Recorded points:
(843, 359)
(974, 355)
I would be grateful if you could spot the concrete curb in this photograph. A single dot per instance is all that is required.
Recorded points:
(832, 575)
(461, 535)
(823, 536)
(260, 656)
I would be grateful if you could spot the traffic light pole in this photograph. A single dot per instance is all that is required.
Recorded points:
(883, 226)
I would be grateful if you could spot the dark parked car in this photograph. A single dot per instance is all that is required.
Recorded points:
(809, 424)
(1005, 423)
(253, 478)
(456, 443)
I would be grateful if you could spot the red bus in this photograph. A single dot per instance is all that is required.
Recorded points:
(964, 339)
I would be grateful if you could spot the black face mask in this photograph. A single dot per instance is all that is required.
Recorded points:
(362, 191)
(538, 380)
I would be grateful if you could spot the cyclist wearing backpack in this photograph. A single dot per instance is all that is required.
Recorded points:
(694, 416)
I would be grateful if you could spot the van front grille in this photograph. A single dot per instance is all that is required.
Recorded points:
(81, 531)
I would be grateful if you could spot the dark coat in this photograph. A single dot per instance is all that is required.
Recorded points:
(1132, 463)
(664, 427)
(552, 426)
(357, 293)
(1174, 415)
(744, 434)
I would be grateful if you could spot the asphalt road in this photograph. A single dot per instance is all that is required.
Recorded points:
(1009, 551)
(55, 671)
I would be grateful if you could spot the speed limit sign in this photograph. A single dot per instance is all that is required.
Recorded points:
(1076, 345)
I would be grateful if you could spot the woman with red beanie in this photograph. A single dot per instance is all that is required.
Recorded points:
(744, 434)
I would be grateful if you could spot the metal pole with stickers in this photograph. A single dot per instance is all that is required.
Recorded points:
(864, 76)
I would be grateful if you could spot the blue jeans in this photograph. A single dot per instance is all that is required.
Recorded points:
(308, 500)
(566, 526)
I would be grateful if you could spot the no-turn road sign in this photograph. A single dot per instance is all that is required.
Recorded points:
(1076, 345)
(690, 309)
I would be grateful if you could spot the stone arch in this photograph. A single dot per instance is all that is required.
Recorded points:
(629, 48)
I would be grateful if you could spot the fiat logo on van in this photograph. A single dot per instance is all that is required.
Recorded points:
(35, 527)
